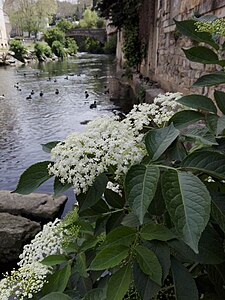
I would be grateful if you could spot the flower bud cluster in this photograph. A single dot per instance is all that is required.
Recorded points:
(215, 27)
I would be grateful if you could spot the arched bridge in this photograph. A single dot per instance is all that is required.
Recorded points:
(96, 33)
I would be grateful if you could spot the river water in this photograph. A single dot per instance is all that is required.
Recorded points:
(25, 124)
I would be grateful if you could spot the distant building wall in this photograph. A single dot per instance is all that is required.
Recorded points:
(3, 34)
(165, 61)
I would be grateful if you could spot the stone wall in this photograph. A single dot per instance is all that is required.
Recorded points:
(165, 61)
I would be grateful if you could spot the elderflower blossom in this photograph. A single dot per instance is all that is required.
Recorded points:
(31, 275)
(160, 111)
(83, 156)
(45, 243)
(25, 282)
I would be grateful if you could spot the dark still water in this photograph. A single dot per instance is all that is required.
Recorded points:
(25, 124)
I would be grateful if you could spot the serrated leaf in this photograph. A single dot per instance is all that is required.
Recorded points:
(49, 146)
(114, 199)
(109, 257)
(33, 177)
(184, 118)
(57, 282)
(81, 264)
(144, 285)
(188, 28)
(211, 122)
(59, 187)
(149, 263)
(94, 193)
(140, 187)
(158, 140)
(119, 283)
(162, 252)
(218, 209)
(56, 296)
(209, 162)
(220, 125)
(203, 55)
(185, 287)
(202, 135)
(220, 100)
(119, 236)
(53, 260)
(153, 231)
(210, 79)
(130, 220)
(198, 102)
(188, 203)
(210, 249)
(217, 277)
(96, 294)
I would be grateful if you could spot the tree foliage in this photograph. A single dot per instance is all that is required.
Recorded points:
(31, 15)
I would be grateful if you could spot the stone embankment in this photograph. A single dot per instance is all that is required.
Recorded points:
(21, 217)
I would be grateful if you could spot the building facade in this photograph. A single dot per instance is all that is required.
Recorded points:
(165, 61)
(3, 34)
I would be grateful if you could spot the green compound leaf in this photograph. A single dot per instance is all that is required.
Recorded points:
(109, 257)
(49, 146)
(33, 177)
(185, 287)
(211, 163)
(220, 100)
(184, 118)
(218, 209)
(56, 296)
(96, 294)
(59, 187)
(188, 28)
(198, 102)
(57, 282)
(158, 140)
(53, 260)
(188, 203)
(140, 187)
(149, 263)
(203, 55)
(119, 236)
(211, 79)
(158, 232)
(94, 193)
(119, 283)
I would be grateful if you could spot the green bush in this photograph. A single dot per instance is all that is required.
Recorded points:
(71, 46)
(64, 25)
(58, 49)
(54, 34)
(48, 51)
(110, 45)
(42, 50)
(19, 49)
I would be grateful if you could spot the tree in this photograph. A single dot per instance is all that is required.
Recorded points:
(89, 19)
(32, 15)
(54, 34)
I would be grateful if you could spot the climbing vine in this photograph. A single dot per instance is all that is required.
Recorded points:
(125, 15)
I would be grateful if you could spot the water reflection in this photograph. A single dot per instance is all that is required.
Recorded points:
(27, 123)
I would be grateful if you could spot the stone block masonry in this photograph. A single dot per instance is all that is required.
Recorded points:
(165, 61)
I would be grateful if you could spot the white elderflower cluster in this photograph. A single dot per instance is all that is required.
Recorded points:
(106, 144)
(114, 187)
(160, 111)
(25, 282)
(31, 275)
(215, 27)
(45, 243)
